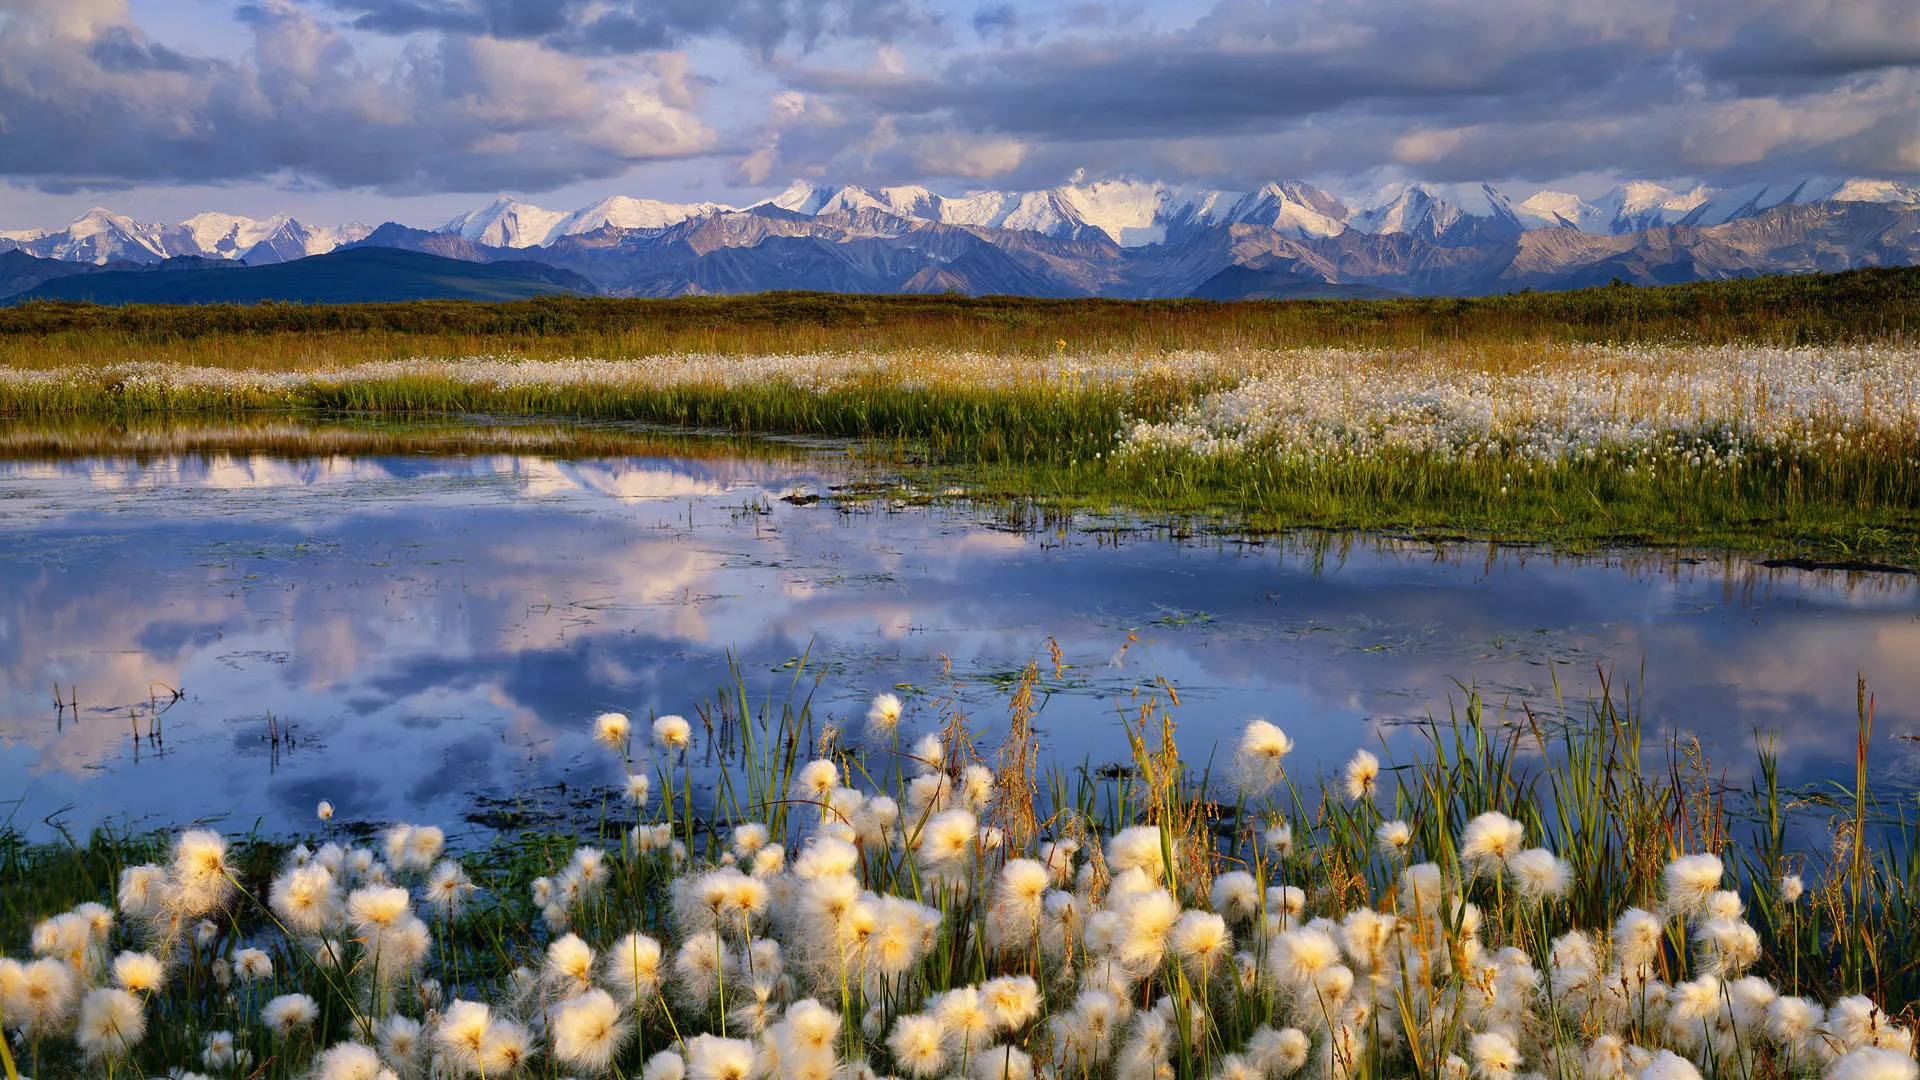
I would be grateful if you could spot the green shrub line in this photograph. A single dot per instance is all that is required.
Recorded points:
(1877, 303)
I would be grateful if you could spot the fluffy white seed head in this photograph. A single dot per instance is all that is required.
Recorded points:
(112, 1022)
(918, 1045)
(673, 732)
(612, 730)
(289, 1013)
(1489, 839)
(1361, 775)
(1874, 1063)
(1539, 875)
(201, 876)
(883, 715)
(589, 1029)
(139, 972)
(1690, 880)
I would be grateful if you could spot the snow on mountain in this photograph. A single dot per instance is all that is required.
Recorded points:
(1132, 213)
(293, 240)
(102, 236)
(1293, 207)
(226, 236)
(1638, 205)
(1554, 209)
(506, 222)
(97, 236)
(1404, 208)
(1875, 191)
(622, 212)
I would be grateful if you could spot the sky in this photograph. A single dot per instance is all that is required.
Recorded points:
(416, 110)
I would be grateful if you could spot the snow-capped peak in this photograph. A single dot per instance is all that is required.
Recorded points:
(506, 222)
(624, 212)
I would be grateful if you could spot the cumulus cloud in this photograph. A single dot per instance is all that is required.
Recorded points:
(88, 99)
(466, 95)
(1500, 88)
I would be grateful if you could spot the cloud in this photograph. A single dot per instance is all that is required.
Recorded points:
(1498, 89)
(429, 96)
(620, 26)
(89, 100)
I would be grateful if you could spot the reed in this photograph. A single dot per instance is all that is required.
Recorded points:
(1520, 893)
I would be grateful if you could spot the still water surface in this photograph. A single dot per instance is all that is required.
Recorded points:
(435, 629)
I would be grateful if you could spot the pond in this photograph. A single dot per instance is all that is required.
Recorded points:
(236, 634)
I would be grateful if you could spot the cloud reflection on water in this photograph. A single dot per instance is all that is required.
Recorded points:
(436, 629)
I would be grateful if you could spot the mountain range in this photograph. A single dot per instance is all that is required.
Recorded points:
(1112, 238)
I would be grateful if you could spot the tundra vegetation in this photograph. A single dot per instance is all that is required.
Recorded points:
(1770, 415)
(889, 896)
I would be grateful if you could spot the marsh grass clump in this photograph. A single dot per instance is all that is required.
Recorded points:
(1511, 899)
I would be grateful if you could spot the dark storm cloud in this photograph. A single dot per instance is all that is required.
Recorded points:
(88, 101)
(1488, 89)
(529, 94)
(642, 25)
(994, 20)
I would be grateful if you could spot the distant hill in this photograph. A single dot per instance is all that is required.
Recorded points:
(350, 276)
(1279, 283)
(20, 271)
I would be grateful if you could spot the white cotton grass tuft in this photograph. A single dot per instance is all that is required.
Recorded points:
(202, 880)
(1260, 761)
(1361, 776)
(665, 1065)
(1489, 840)
(1278, 1054)
(142, 888)
(1299, 955)
(883, 715)
(1393, 837)
(918, 1045)
(374, 908)
(289, 1013)
(710, 1057)
(613, 730)
(589, 1029)
(1690, 881)
(816, 780)
(306, 898)
(403, 1043)
(1539, 875)
(1278, 837)
(639, 789)
(252, 965)
(139, 972)
(1235, 896)
(672, 732)
(569, 966)
(447, 890)
(1791, 889)
(1874, 1063)
(1494, 1056)
(112, 1022)
(1667, 1065)
(348, 1061)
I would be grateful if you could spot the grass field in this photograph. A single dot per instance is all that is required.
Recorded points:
(1773, 415)
(1879, 305)
(1554, 896)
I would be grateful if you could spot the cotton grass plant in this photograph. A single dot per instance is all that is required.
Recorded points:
(1511, 900)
